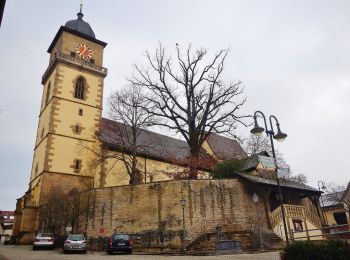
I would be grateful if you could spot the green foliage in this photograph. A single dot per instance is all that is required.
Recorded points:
(225, 169)
(328, 250)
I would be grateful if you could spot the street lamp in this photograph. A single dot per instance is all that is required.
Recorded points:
(279, 136)
(323, 187)
(183, 205)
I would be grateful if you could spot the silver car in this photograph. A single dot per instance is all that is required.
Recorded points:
(43, 240)
(75, 242)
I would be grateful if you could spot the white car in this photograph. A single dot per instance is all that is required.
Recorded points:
(44, 240)
(75, 242)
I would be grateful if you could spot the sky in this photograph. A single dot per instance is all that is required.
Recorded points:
(293, 58)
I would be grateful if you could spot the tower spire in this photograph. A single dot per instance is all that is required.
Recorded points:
(81, 6)
(80, 14)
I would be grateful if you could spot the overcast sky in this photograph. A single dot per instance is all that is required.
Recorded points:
(293, 58)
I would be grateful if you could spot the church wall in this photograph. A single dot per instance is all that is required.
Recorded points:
(93, 88)
(64, 181)
(44, 123)
(69, 117)
(152, 209)
(64, 153)
(155, 171)
(39, 159)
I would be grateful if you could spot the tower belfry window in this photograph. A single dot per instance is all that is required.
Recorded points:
(79, 88)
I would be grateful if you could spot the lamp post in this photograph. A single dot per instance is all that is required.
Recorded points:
(279, 136)
(323, 187)
(183, 205)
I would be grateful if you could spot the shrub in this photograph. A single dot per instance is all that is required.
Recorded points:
(226, 169)
(328, 250)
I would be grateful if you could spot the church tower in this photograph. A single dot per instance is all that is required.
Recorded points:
(70, 113)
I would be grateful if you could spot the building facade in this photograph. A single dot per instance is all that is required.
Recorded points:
(71, 129)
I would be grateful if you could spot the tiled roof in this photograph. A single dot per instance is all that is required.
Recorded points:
(225, 148)
(151, 144)
(272, 182)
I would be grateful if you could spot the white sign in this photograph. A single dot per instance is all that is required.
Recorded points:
(68, 228)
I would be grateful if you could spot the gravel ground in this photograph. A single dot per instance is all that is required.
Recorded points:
(26, 252)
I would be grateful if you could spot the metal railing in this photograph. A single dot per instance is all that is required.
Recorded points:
(59, 56)
(331, 232)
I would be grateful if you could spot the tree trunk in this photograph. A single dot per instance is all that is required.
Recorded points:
(193, 163)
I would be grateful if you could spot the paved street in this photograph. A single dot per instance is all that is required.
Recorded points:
(26, 252)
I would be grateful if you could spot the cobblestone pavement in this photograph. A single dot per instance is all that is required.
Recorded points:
(26, 253)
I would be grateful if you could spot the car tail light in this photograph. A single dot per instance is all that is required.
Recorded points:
(110, 242)
(36, 240)
(131, 242)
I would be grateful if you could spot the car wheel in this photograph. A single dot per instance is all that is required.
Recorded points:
(84, 252)
(65, 251)
(34, 248)
(109, 252)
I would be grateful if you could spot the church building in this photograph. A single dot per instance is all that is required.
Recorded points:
(70, 118)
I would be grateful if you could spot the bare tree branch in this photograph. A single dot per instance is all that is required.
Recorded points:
(190, 96)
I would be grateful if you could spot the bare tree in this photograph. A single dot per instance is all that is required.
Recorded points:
(130, 111)
(190, 96)
(59, 209)
(339, 194)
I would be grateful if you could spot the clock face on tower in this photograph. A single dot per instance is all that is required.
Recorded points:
(84, 51)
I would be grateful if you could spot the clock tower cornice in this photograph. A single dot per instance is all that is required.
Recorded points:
(66, 29)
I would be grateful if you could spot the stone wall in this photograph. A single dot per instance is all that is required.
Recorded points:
(152, 211)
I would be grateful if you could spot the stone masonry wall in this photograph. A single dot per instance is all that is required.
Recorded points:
(152, 211)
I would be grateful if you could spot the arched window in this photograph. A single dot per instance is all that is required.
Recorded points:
(79, 88)
(48, 93)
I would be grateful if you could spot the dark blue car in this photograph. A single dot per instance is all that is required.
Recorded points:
(119, 243)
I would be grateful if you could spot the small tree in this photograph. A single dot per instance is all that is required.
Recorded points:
(339, 194)
(226, 169)
(190, 97)
(59, 209)
(130, 111)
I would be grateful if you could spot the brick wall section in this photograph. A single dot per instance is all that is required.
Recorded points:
(153, 211)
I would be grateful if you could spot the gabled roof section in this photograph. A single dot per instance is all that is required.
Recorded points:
(273, 182)
(225, 148)
(151, 145)
(251, 162)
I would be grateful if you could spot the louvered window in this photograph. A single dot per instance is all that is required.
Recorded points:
(79, 88)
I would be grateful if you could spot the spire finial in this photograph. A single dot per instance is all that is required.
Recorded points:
(81, 6)
(80, 14)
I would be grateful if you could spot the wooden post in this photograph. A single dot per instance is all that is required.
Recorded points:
(306, 228)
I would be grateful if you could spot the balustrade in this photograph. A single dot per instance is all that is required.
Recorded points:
(294, 211)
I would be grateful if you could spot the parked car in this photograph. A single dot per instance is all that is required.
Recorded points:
(119, 243)
(75, 242)
(44, 240)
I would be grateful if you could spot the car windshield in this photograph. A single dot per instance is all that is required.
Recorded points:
(76, 237)
(45, 235)
(121, 236)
